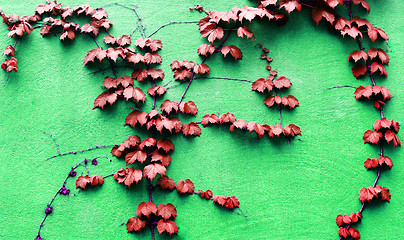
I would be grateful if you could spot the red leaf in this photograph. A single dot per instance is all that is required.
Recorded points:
(291, 130)
(105, 97)
(95, 53)
(359, 70)
(385, 194)
(373, 53)
(201, 69)
(167, 226)
(169, 106)
(135, 224)
(156, 91)
(370, 163)
(372, 136)
(204, 49)
(364, 4)
(148, 143)
(96, 179)
(234, 51)
(261, 85)
(363, 91)
(341, 23)
(334, 3)
(373, 33)
(166, 211)
(241, 31)
(339, 220)
(109, 39)
(191, 129)
(151, 170)
(391, 136)
(131, 175)
(318, 13)
(166, 145)
(228, 202)
(346, 219)
(240, 124)
(156, 73)
(145, 209)
(185, 187)
(351, 31)
(134, 58)
(365, 194)
(136, 117)
(156, 156)
(182, 74)
(9, 51)
(356, 56)
(282, 82)
(205, 194)
(132, 157)
(212, 32)
(188, 108)
(290, 5)
(378, 67)
(343, 232)
(227, 118)
(210, 119)
(385, 160)
(150, 58)
(82, 181)
(123, 40)
(166, 183)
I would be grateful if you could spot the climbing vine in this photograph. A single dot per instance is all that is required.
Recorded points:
(150, 157)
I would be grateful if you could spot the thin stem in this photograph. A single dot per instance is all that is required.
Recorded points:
(56, 143)
(280, 115)
(170, 23)
(342, 86)
(141, 24)
(192, 76)
(223, 78)
(119, 4)
(79, 151)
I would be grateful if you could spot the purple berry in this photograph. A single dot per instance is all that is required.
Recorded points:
(94, 162)
(48, 210)
(72, 173)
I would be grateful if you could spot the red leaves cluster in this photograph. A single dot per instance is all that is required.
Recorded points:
(188, 108)
(121, 41)
(350, 233)
(151, 44)
(10, 65)
(290, 130)
(128, 176)
(186, 186)
(166, 183)
(185, 69)
(367, 194)
(227, 202)
(9, 51)
(205, 194)
(354, 27)
(383, 129)
(150, 151)
(289, 101)
(148, 212)
(371, 54)
(128, 53)
(381, 161)
(377, 92)
(234, 51)
(83, 181)
(348, 219)
(120, 87)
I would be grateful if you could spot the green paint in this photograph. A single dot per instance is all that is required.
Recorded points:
(287, 193)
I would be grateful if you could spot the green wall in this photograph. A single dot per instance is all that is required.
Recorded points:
(287, 192)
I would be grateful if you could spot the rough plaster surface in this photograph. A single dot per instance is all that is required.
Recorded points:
(287, 192)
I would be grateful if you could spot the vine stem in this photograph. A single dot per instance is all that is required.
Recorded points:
(192, 75)
(170, 23)
(348, 3)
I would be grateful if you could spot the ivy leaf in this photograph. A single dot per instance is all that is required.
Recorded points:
(209, 119)
(96, 179)
(227, 118)
(188, 108)
(385, 194)
(105, 97)
(151, 170)
(351, 31)
(123, 40)
(134, 58)
(135, 224)
(357, 55)
(201, 69)
(132, 157)
(290, 5)
(169, 106)
(291, 130)
(9, 51)
(372, 136)
(205, 194)
(82, 181)
(363, 91)
(109, 39)
(334, 3)
(234, 51)
(364, 4)
(282, 82)
(145, 209)
(156, 73)
(136, 117)
(266, 3)
(156, 91)
(318, 13)
(366, 194)
(373, 53)
(182, 74)
(359, 70)
(156, 156)
(166, 211)
(212, 32)
(240, 124)
(191, 129)
(166, 145)
(391, 136)
(204, 49)
(166, 183)
(262, 85)
(241, 31)
(373, 33)
(378, 67)
(150, 58)
(185, 187)
(167, 226)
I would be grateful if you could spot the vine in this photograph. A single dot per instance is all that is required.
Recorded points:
(152, 155)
